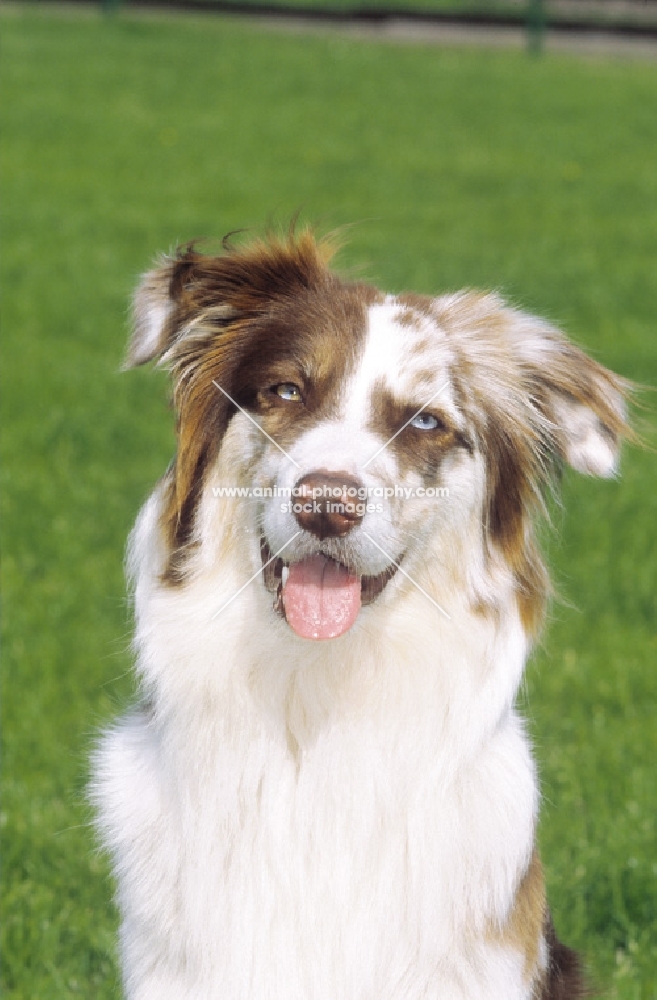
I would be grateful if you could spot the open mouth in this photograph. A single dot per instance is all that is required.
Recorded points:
(319, 597)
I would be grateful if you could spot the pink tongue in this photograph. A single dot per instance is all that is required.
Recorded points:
(321, 598)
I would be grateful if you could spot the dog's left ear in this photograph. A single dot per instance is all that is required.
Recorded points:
(153, 310)
(583, 402)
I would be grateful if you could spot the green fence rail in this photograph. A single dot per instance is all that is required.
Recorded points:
(625, 18)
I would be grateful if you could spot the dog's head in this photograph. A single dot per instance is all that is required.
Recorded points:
(380, 442)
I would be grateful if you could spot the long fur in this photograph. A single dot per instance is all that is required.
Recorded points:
(353, 817)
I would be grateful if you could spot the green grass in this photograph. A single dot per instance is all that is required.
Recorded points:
(121, 138)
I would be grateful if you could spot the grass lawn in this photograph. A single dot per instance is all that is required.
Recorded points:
(121, 138)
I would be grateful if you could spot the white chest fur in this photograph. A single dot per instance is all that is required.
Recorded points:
(353, 829)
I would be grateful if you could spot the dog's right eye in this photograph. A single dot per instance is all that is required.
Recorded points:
(288, 391)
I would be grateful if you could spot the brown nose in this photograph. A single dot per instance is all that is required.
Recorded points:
(327, 503)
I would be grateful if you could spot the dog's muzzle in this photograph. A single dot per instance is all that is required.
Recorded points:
(320, 596)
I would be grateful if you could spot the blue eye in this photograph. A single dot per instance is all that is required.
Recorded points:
(424, 422)
(288, 391)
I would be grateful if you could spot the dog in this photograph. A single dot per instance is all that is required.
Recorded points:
(325, 791)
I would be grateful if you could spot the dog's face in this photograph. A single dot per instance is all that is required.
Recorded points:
(376, 434)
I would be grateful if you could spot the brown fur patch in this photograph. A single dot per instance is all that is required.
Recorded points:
(178, 525)
(421, 451)
(247, 321)
(523, 930)
(311, 340)
(563, 978)
(417, 305)
(529, 923)
(511, 500)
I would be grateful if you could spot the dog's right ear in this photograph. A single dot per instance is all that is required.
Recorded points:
(153, 315)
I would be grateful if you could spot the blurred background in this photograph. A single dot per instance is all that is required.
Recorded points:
(127, 131)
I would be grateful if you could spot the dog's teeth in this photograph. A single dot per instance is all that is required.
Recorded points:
(285, 573)
(278, 602)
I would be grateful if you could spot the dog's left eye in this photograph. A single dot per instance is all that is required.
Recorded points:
(425, 422)
(288, 391)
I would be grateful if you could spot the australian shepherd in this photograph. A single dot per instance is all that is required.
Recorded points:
(325, 791)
